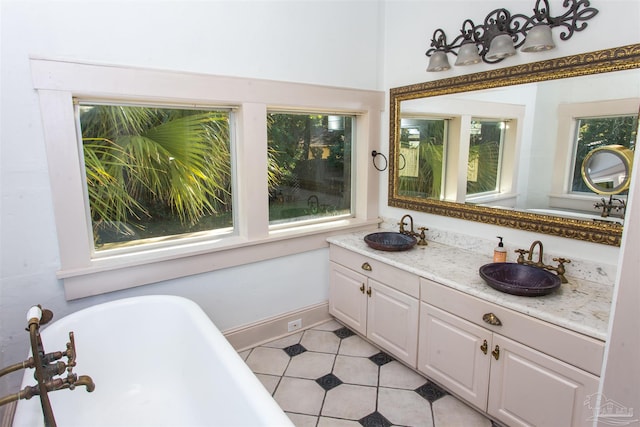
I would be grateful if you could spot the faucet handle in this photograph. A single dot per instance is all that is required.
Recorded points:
(71, 352)
(521, 256)
(562, 260)
(423, 236)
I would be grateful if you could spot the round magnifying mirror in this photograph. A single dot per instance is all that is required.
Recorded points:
(607, 170)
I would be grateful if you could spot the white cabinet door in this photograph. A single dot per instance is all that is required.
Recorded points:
(455, 353)
(392, 321)
(529, 388)
(347, 300)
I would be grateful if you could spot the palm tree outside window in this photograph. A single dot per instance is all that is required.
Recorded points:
(155, 172)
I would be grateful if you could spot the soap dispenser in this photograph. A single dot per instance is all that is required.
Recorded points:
(500, 253)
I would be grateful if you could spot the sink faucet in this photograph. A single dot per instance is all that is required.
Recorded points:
(560, 270)
(618, 205)
(410, 232)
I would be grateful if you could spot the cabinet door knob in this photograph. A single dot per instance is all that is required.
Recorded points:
(492, 319)
(362, 288)
(484, 347)
(369, 291)
(366, 266)
(496, 352)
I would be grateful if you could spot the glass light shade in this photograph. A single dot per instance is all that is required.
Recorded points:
(501, 47)
(538, 39)
(468, 54)
(438, 61)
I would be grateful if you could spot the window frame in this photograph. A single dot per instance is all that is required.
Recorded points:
(274, 226)
(157, 242)
(459, 113)
(58, 82)
(562, 196)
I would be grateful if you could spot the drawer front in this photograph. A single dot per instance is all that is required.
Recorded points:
(576, 349)
(396, 278)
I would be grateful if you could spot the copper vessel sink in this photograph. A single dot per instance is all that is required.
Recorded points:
(390, 241)
(519, 279)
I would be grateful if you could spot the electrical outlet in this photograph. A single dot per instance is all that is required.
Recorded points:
(294, 325)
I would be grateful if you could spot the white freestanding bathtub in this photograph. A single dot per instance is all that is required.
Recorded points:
(155, 361)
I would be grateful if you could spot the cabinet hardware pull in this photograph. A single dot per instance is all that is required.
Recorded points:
(496, 352)
(484, 347)
(369, 292)
(366, 266)
(492, 319)
(362, 288)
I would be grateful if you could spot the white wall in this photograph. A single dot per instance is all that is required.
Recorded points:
(313, 41)
(409, 28)
(328, 43)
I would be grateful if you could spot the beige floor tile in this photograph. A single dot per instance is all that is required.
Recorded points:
(320, 341)
(270, 382)
(396, 375)
(356, 346)
(244, 354)
(356, 370)
(285, 341)
(270, 361)
(450, 412)
(300, 420)
(405, 407)
(349, 401)
(330, 326)
(299, 395)
(336, 422)
(310, 365)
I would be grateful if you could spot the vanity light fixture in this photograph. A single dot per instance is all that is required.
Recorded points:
(501, 33)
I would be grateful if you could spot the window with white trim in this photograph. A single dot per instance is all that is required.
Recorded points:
(155, 172)
(581, 128)
(232, 224)
(309, 166)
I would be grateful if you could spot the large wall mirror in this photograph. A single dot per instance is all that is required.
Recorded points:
(507, 146)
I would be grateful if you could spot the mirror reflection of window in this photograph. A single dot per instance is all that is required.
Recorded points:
(486, 141)
(423, 152)
(596, 132)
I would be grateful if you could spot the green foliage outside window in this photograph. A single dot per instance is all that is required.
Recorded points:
(155, 171)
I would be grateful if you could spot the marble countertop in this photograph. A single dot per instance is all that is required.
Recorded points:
(580, 305)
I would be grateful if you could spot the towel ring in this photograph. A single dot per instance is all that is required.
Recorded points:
(375, 154)
(404, 161)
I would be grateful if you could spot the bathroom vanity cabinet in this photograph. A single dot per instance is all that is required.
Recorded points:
(500, 368)
(524, 361)
(376, 300)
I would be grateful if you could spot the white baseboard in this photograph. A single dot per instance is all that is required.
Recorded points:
(249, 336)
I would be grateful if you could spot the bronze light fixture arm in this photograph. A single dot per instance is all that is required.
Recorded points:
(517, 26)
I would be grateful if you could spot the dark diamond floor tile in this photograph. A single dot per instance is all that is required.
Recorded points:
(329, 381)
(430, 391)
(344, 332)
(381, 358)
(294, 350)
(375, 419)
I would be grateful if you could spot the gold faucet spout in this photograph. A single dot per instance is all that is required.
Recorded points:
(533, 245)
(402, 224)
(86, 381)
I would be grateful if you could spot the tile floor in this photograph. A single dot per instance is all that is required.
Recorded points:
(328, 376)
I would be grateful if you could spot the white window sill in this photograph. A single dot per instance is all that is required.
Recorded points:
(123, 271)
(577, 202)
(502, 199)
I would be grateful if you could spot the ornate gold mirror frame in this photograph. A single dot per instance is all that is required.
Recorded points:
(602, 61)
